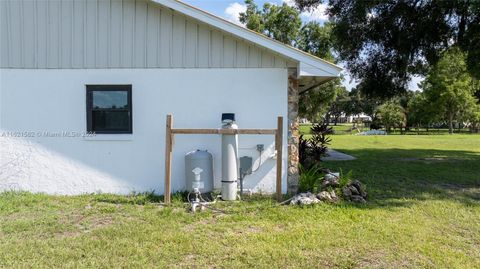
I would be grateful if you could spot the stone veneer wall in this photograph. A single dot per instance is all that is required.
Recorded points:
(293, 132)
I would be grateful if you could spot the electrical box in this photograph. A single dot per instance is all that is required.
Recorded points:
(246, 163)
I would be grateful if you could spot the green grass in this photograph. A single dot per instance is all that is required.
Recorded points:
(423, 211)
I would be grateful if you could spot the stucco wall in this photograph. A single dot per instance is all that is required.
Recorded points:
(54, 101)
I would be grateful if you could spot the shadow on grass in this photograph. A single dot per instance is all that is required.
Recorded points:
(402, 177)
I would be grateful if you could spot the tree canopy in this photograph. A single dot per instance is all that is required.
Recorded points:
(450, 87)
(383, 43)
(278, 22)
(284, 24)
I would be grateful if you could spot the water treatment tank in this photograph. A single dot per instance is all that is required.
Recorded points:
(199, 159)
(229, 159)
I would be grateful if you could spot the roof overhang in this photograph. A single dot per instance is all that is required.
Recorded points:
(308, 65)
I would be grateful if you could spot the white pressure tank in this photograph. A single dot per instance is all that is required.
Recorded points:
(199, 171)
(229, 159)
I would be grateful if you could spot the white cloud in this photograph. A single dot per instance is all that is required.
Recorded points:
(233, 11)
(289, 2)
(317, 14)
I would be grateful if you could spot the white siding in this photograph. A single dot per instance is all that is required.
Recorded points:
(118, 34)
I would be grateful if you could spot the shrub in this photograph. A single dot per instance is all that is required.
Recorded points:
(312, 150)
(310, 178)
(345, 179)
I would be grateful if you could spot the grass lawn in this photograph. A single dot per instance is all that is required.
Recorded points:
(423, 211)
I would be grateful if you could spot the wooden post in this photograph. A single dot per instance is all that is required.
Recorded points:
(279, 148)
(168, 158)
(169, 137)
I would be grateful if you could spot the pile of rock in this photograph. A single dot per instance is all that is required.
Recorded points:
(308, 198)
(355, 192)
(326, 196)
(331, 180)
(304, 198)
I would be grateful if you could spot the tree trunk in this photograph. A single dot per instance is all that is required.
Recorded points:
(450, 123)
(327, 119)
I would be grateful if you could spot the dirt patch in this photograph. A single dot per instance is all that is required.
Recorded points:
(204, 222)
(67, 234)
(250, 229)
(83, 224)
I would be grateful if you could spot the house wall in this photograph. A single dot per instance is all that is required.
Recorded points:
(43, 103)
(118, 34)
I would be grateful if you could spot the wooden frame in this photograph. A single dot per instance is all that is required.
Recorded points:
(171, 132)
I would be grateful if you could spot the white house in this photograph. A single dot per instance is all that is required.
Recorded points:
(117, 68)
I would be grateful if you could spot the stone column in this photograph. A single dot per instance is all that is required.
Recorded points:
(293, 132)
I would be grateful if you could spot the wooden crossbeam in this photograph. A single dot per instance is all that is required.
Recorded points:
(226, 131)
(170, 135)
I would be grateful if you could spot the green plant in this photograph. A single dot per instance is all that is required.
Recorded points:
(345, 179)
(312, 150)
(310, 178)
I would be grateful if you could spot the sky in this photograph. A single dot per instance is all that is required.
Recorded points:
(230, 9)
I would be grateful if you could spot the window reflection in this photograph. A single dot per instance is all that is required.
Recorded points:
(110, 99)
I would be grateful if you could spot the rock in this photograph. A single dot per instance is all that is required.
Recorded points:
(325, 170)
(330, 180)
(358, 185)
(346, 192)
(334, 196)
(305, 198)
(357, 199)
(324, 196)
(307, 201)
(304, 194)
(353, 190)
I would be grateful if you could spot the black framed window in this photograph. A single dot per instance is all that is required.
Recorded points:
(109, 109)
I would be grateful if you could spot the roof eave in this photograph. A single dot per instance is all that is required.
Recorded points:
(307, 62)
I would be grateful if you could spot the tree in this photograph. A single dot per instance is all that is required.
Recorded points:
(383, 43)
(281, 23)
(316, 39)
(474, 118)
(315, 103)
(391, 114)
(421, 111)
(252, 17)
(338, 107)
(450, 86)
(354, 106)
